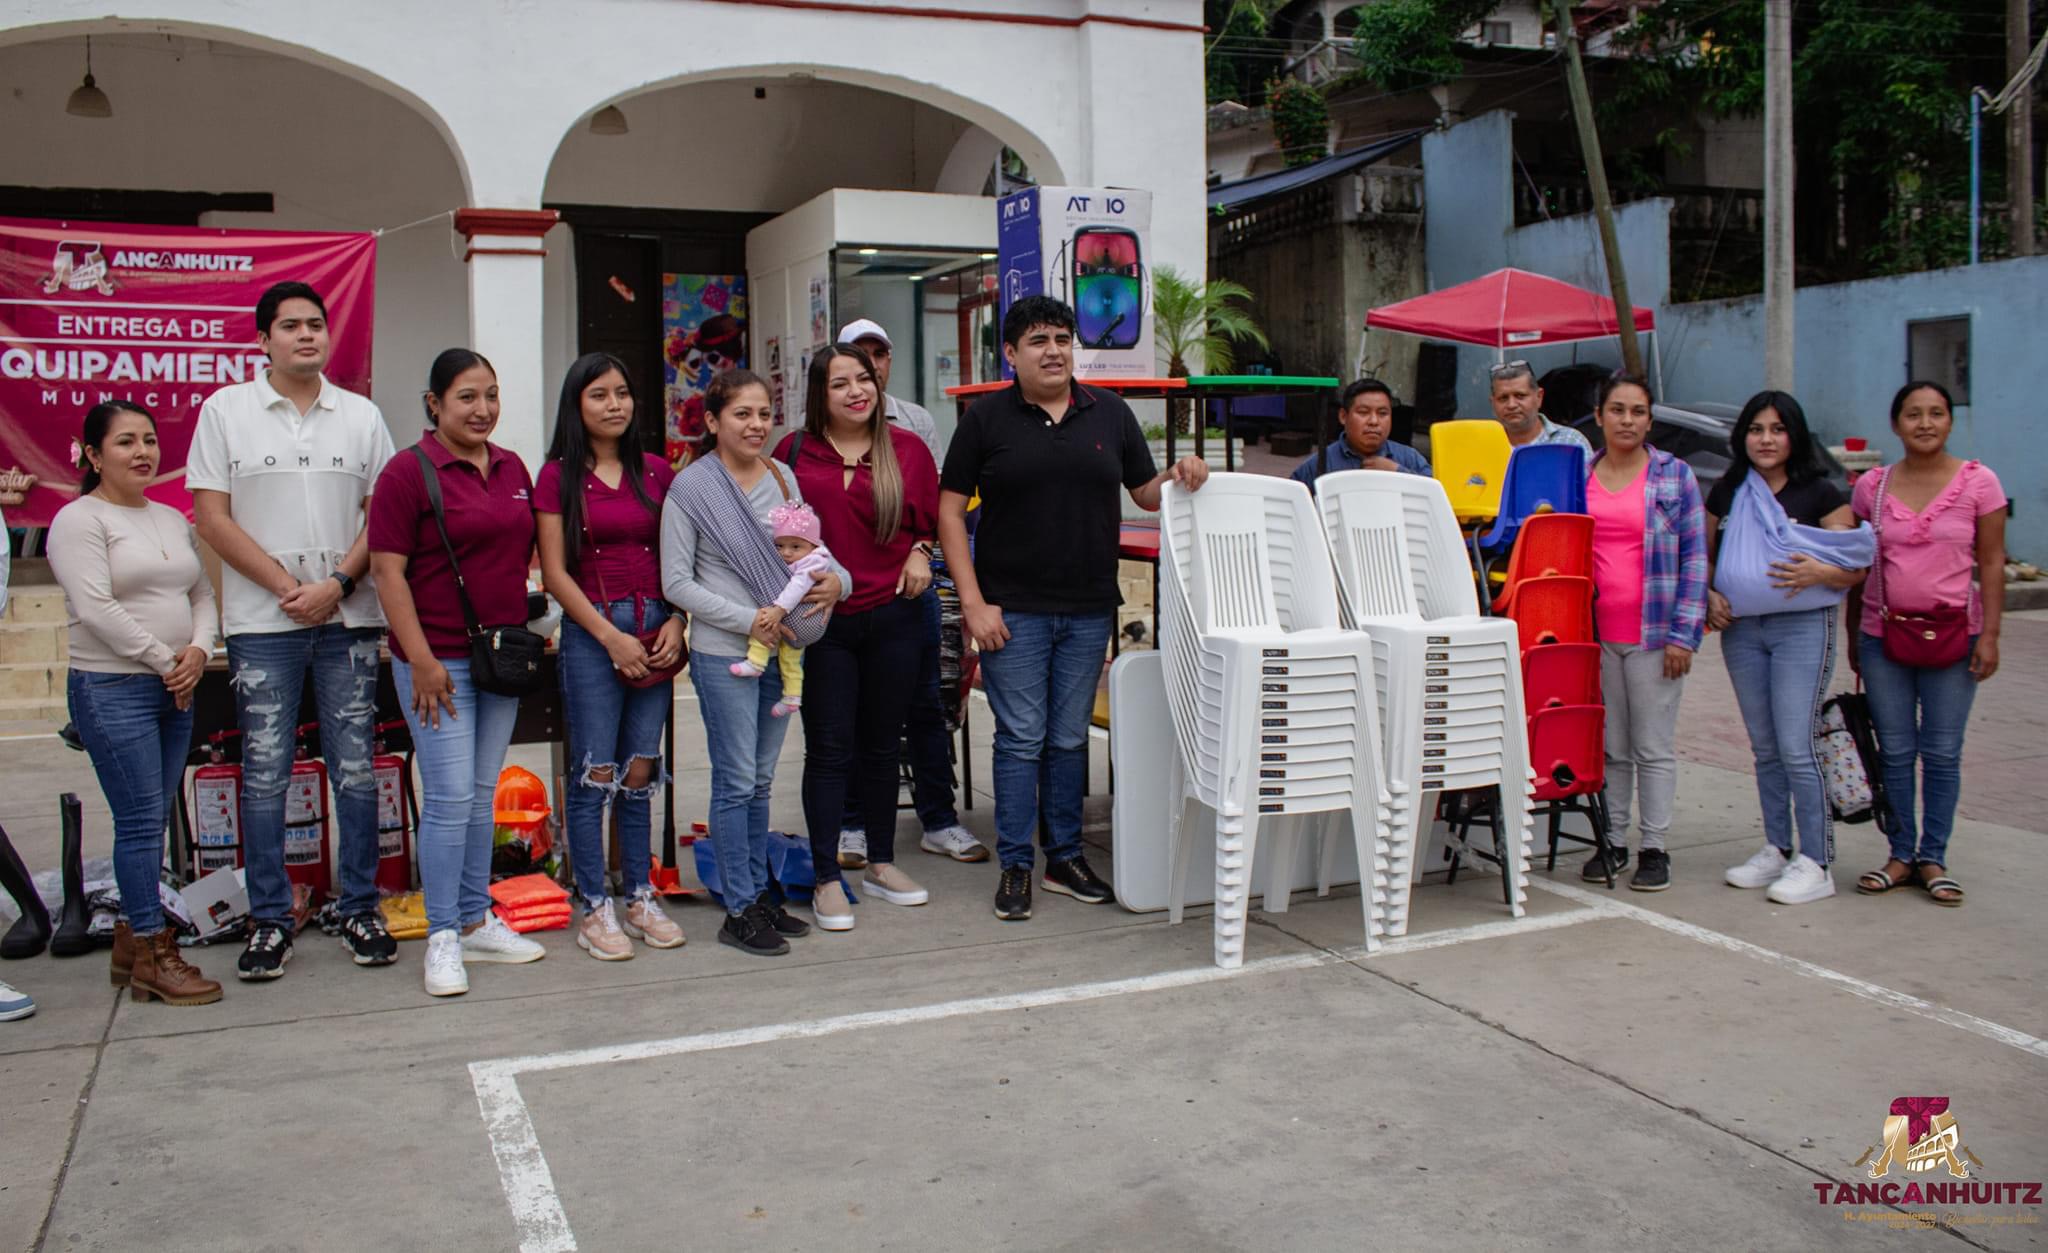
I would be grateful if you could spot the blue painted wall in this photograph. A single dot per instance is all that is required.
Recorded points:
(1851, 357)
(1468, 198)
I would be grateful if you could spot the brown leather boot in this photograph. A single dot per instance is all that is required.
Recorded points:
(124, 955)
(161, 971)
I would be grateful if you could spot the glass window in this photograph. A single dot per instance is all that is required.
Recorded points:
(1939, 349)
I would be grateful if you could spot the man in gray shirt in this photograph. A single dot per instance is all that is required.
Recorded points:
(1518, 404)
(931, 761)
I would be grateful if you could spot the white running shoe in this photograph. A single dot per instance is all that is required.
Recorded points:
(853, 850)
(14, 1004)
(445, 975)
(1760, 871)
(1803, 882)
(954, 841)
(496, 942)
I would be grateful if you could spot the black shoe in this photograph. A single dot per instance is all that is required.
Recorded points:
(784, 922)
(365, 937)
(1653, 871)
(1074, 878)
(30, 933)
(73, 934)
(1617, 861)
(269, 948)
(1013, 894)
(72, 739)
(753, 931)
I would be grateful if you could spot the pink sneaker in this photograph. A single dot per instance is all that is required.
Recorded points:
(646, 923)
(786, 706)
(746, 669)
(600, 936)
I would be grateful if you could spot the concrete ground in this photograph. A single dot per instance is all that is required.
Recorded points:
(1617, 1070)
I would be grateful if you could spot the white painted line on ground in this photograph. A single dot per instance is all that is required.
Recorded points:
(29, 735)
(529, 1185)
(1869, 991)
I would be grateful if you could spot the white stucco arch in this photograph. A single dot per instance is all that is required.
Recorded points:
(79, 28)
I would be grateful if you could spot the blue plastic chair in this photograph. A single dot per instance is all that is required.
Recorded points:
(1541, 478)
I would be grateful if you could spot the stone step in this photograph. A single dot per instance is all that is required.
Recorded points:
(34, 604)
(47, 713)
(32, 681)
(34, 641)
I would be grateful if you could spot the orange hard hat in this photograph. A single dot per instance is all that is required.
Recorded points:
(521, 796)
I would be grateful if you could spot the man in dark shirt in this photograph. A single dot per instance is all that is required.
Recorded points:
(1039, 593)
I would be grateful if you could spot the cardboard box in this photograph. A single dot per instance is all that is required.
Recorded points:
(1089, 247)
(217, 901)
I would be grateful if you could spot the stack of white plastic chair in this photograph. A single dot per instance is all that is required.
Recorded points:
(1271, 699)
(1449, 680)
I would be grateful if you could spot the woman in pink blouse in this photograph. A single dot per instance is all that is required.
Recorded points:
(1940, 520)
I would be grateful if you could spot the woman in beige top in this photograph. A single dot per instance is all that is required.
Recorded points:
(142, 626)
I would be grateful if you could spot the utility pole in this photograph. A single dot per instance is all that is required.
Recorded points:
(2019, 132)
(1779, 322)
(1596, 173)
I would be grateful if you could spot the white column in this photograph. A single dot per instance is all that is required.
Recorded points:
(506, 319)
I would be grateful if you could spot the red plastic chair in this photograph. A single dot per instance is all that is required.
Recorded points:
(1560, 674)
(1568, 753)
(1554, 609)
(1548, 544)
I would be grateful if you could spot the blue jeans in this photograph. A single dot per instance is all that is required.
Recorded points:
(138, 738)
(930, 742)
(268, 672)
(743, 742)
(1780, 664)
(459, 764)
(1041, 687)
(1920, 715)
(611, 724)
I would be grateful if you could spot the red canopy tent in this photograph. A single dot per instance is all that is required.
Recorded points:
(1508, 308)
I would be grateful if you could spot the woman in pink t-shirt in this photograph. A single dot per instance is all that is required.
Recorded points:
(598, 508)
(1942, 521)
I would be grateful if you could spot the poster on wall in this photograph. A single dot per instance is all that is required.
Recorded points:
(821, 316)
(703, 333)
(161, 316)
(1089, 247)
(775, 377)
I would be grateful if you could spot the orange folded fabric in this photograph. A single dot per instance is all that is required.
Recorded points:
(550, 919)
(527, 890)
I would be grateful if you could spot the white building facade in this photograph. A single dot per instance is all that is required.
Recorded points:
(475, 116)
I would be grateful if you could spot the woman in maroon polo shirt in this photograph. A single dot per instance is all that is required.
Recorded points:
(876, 493)
(459, 733)
(600, 536)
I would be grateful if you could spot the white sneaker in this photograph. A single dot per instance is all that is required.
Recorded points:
(956, 842)
(1760, 871)
(445, 975)
(496, 942)
(14, 1004)
(853, 850)
(1805, 880)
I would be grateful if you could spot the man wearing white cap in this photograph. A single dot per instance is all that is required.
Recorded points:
(931, 762)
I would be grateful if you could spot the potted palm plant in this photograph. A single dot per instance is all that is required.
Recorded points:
(1196, 325)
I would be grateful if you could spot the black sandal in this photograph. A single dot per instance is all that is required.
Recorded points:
(1938, 884)
(1877, 882)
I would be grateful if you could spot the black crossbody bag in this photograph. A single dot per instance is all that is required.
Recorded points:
(503, 660)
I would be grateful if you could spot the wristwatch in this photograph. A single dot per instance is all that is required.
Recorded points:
(348, 585)
(923, 546)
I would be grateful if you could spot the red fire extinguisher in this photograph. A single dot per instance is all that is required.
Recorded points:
(397, 814)
(305, 821)
(217, 808)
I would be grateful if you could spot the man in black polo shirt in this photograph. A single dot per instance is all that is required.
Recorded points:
(1039, 593)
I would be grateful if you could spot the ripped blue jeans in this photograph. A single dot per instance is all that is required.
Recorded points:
(611, 726)
(268, 674)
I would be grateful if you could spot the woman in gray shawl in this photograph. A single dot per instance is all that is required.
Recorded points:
(719, 564)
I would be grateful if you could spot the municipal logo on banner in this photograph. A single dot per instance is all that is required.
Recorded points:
(159, 316)
(1922, 1173)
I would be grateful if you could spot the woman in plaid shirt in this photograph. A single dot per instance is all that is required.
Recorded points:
(1650, 607)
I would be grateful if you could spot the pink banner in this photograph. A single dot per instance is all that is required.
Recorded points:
(159, 315)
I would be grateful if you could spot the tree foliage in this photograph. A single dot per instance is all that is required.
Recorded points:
(1239, 59)
(1301, 120)
(1196, 324)
(1880, 111)
(1405, 44)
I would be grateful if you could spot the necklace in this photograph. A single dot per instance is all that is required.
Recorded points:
(148, 514)
(850, 463)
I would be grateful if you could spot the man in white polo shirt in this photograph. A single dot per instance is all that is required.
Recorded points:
(280, 472)
(931, 761)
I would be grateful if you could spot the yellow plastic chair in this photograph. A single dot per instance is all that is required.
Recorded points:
(1470, 458)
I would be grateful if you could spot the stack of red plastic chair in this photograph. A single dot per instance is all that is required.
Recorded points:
(1549, 594)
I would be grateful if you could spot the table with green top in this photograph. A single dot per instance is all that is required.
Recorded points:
(1203, 388)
